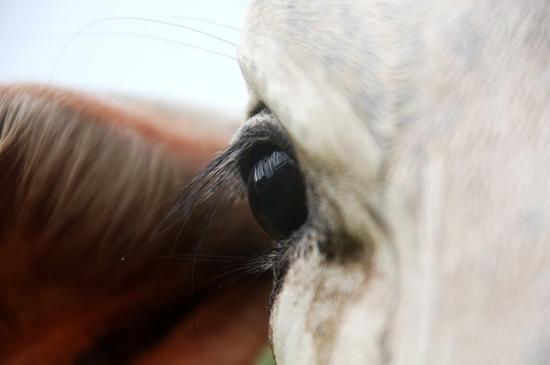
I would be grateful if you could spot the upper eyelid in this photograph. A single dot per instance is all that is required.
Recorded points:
(255, 108)
(221, 171)
(263, 126)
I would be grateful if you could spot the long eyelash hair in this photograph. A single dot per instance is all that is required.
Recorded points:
(67, 173)
(219, 188)
(263, 262)
(219, 183)
(81, 185)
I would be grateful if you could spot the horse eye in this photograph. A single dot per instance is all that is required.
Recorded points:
(276, 193)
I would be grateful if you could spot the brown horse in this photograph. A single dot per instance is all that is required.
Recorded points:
(91, 268)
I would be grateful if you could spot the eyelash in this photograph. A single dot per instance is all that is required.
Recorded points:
(227, 167)
(228, 171)
(264, 136)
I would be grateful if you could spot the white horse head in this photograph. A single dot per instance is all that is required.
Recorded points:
(420, 131)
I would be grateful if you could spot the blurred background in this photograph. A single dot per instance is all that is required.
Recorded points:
(177, 51)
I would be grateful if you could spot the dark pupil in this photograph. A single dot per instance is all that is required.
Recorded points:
(276, 194)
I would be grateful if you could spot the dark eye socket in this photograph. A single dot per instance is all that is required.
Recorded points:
(276, 191)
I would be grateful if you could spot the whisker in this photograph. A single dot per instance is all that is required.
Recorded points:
(156, 21)
(197, 258)
(217, 184)
(252, 266)
(32, 36)
(163, 227)
(162, 22)
(195, 193)
(105, 33)
(136, 35)
(229, 257)
(165, 40)
(211, 214)
(239, 274)
(204, 21)
(200, 188)
(181, 229)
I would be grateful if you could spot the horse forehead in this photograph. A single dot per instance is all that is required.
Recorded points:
(334, 43)
(356, 62)
(374, 52)
(337, 71)
(468, 175)
(315, 65)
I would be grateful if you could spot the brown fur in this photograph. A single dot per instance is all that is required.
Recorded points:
(83, 187)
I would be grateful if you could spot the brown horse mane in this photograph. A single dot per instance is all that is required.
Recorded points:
(84, 185)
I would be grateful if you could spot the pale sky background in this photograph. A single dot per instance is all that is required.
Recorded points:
(109, 53)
